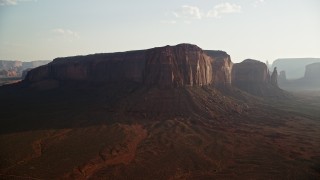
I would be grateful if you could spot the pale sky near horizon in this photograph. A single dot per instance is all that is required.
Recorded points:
(257, 29)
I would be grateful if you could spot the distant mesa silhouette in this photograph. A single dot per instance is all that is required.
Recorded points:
(310, 80)
(294, 67)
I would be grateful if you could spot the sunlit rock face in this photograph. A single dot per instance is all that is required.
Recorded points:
(222, 67)
(169, 66)
(176, 66)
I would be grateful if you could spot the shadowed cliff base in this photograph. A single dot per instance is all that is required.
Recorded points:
(48, 109)
(119, 131)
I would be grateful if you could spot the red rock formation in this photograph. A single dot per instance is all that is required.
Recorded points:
(253, 77)
(38, 74)
(169, 66)
(176, 66)
(222, 67)
(249, 72)
(163, 67)
(113, 67)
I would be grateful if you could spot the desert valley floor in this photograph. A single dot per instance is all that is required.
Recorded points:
(140, 133)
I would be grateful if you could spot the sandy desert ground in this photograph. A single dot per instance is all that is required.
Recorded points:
(192, 133)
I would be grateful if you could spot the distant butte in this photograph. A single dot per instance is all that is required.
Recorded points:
(254, 77)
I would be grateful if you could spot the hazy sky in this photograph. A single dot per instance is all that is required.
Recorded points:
(258, 29)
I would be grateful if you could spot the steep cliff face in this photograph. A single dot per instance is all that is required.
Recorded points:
(169, 66)
(38, 74)
(311, 79)
(222, 67)
(312, 72)
(253, 77)
(113, 67)
(250, 72)
(177, 66)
